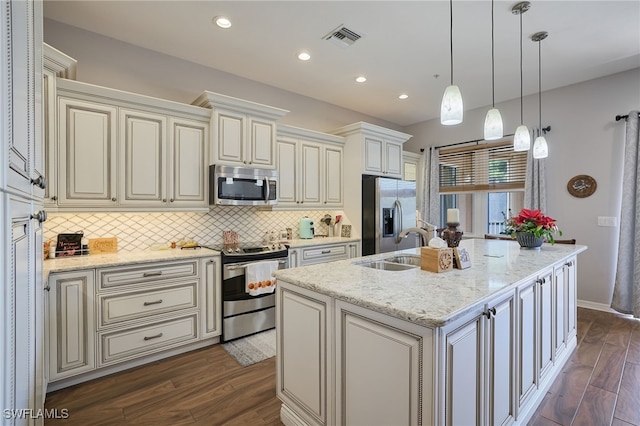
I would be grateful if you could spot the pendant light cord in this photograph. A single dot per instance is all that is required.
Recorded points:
(521, 108)
(493, 77)
(540, 83)
(451, 36)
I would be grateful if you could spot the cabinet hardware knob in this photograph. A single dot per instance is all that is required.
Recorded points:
(47, 288)
(152, 274)
(569, 263)
(40, 216)
(155, 302)
(40, 182)
(113, 198)
(153, 337)
(54, 198)
(171, 200)
(164, 200)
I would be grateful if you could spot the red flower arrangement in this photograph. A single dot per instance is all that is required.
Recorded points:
(532, 222)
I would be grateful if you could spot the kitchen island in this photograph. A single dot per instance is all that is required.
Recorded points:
(358, 345)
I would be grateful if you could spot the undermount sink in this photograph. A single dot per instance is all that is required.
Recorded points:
(394, 263)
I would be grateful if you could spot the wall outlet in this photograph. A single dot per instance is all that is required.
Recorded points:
(607, 221)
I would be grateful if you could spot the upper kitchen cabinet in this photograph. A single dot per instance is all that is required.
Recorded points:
(379, 149)
(310, 169)
(410, 166)
(243, 132)
(123, 151)
(54, 64)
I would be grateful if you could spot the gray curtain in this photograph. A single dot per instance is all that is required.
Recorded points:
(535, 183)
(626, 292)
(429, 200)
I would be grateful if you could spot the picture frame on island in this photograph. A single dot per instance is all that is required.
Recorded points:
(462, 258)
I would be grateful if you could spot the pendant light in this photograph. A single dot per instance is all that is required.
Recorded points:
(451, 111)
(522, 138)
(493, 121)
(540, 148)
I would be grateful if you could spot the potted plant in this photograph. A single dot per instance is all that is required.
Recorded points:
(531, 228)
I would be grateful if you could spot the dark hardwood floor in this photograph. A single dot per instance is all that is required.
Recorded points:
(600, 385)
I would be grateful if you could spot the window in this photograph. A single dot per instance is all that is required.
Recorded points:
(485, 182)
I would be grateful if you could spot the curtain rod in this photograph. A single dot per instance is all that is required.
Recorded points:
(624, 117)
(477, 141)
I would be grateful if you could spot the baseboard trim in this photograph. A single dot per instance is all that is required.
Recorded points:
(597, 306)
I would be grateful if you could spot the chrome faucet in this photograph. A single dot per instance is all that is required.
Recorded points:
(425, 237)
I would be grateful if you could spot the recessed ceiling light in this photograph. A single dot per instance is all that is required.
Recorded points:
(361, 79)
(222, 22)
(403, 96)
(304, 56)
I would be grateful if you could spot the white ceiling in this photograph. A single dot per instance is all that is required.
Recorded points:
(404, 45)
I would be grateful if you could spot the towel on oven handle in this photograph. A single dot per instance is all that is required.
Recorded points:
(258, 279)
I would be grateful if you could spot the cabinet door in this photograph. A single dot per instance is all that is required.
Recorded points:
(332, 173)
(310, 166)
(294, 258)
(559, 310)
(570, 282)
(210, 298)
(526, 365)
(393, 159)
(71, 324)
(229, 137)
(304, 348)
(373, 161)
(49, 137)
(187, 163)
(501, 354)
(87, 172)
(261, 143)
(464, 349)
(288, 173)
(143, 158)
(545, 326)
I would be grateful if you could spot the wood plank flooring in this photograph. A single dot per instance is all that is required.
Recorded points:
(600, 385)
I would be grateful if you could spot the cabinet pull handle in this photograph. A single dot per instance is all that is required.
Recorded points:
(47, 288)
(570, 263)
(155, 302)
(40, 182)
(153, 337)
(40, 216)
(152, 274)
(490, 312)
(326, 251)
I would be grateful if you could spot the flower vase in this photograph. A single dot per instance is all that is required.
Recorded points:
(528, 241)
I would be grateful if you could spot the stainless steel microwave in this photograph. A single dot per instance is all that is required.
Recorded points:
(241, 186)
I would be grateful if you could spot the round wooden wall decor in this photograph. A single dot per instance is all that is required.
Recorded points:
(581, 186)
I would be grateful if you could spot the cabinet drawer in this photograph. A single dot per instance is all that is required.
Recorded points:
(323, 254)
(116, 277)
(139, 304)
(137, 341)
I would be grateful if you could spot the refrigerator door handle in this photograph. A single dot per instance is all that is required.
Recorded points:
(398, 205)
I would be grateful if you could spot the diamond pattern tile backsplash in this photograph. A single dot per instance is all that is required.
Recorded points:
(138, 231)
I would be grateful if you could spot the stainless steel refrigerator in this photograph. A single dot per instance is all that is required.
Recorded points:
(388, 207)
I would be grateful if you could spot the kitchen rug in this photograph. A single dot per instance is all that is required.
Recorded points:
(252, 349)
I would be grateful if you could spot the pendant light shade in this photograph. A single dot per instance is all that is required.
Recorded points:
(493, 121)
(522, 138)
(451, 109)
(540, 147)
(493, 125)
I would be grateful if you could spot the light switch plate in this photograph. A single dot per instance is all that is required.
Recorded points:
(607, 221)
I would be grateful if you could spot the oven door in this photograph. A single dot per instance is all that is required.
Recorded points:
(241, 186)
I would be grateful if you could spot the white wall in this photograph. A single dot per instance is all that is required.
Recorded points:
(584, 139)
(111, 63)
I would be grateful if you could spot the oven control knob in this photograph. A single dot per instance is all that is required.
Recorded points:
(273, 246)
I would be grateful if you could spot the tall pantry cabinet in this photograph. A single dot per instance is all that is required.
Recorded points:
(22, 186)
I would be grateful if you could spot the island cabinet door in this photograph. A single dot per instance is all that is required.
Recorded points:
(384, 369)
(526, 324)
(304, 355)
(545, 327)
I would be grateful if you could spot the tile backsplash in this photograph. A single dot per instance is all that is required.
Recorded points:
(138, 231)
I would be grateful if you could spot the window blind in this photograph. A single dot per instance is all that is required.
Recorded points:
(488, 167)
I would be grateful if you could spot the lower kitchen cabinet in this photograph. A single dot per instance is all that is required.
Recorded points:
(322, 253)
(115, 316)
(71, 324)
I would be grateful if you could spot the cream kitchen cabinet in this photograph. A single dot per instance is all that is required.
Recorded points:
(382, 157)
(310, 169)
(410, 166)
(114, 317)
(128, 152)
(322, 253)
(55, 64)
(71, 324)
(243, 132)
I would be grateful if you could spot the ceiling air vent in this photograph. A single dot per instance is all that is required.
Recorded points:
(342, 36)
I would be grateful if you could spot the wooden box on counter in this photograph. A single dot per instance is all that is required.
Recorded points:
(436, 260)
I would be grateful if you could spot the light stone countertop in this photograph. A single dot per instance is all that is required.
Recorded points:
(73, 263)
(427, 298)
(318, 241)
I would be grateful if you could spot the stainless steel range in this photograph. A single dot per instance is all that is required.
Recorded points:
(243, 314)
